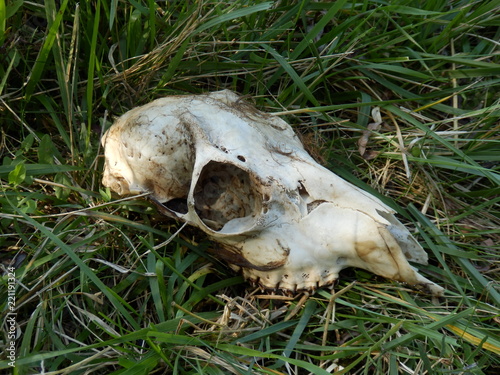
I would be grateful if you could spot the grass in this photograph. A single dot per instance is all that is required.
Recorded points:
(105, 285)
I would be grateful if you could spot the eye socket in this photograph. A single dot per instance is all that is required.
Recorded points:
(225, 192)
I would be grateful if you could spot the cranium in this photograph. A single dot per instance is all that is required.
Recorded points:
(244, 178)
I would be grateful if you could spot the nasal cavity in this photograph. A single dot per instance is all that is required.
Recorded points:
(225, 192)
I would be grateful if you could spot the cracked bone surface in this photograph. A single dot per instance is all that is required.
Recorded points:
(244, 178)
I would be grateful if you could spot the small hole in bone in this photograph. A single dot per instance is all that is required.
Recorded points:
(313, 205)
(241, 158)
(307, 199)
(225, 192)
(303, 191)
(223, 149)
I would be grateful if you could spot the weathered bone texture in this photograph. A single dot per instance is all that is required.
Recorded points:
(244, 178)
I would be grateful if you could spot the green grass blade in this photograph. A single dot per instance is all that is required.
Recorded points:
(3, 21)
(112, 13)
(301, 85)
(152, 22)
(239, 350)
(174, 63)
(490, 175)
(43, 56)
(113, 298)
(92, 68)
(318, 27)
(309, 309)
(233, 15)
(480, 281)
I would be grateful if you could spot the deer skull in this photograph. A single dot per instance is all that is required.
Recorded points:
(244, 178)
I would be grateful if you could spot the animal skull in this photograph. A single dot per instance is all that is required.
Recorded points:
(244, 178)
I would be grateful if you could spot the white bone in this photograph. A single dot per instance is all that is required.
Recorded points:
(244, 178)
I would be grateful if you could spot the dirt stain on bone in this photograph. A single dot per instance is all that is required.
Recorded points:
(365, 248)
(233, 255)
